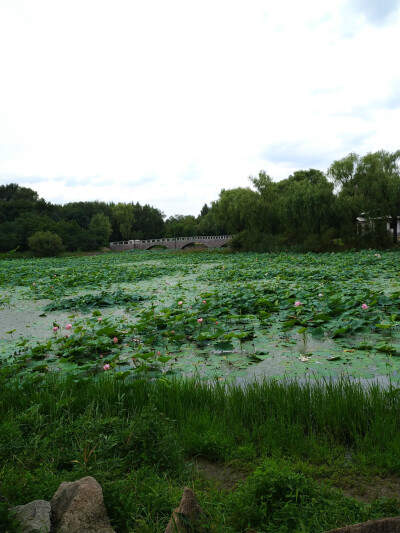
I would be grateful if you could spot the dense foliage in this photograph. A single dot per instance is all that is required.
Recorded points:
(45, 244)
(307, 212)
(80, 225)
(353, 205)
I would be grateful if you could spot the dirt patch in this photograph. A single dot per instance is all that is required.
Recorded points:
(364, 489)
(227, 477)
(369, 489)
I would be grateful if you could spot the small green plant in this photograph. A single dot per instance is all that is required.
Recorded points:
(8, 522)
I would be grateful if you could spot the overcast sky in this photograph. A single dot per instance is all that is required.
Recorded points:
(166, 102)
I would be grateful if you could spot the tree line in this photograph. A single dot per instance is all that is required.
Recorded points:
(355, 204)
(351, 205)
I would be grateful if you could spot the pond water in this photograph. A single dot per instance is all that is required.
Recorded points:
(236, 317)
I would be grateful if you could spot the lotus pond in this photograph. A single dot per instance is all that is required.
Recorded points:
(213, 314)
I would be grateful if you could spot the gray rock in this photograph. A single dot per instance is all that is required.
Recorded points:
(189, 516)
(34, 517)
(78, 507)
(384, 525)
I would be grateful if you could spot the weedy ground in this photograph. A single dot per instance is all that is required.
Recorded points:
(267, 456)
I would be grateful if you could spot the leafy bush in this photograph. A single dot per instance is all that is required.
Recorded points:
(45, 244)
(258, 241)
(276, 499)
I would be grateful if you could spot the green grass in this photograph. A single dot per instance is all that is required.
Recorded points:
(139, 440)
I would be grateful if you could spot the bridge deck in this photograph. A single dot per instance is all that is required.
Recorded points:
(211, 241)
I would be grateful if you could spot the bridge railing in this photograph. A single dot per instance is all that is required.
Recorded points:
(197, 238)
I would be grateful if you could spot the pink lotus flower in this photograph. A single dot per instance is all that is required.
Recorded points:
(297, 304)
(55, 328)
(204, 301)
(180, 303)
(364, 306)
(33, 284)
(106, 367)
(199, 320)
(99, 319)
(159, 353)
(101, 356)
(68, 326)
(115, 340)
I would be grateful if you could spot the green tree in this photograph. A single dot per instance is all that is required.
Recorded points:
(29, 222)
(299, 209)
(16, 200)
(100, 226)
(181, 226)
(10, 236)
(70, 233)
(123, 214)
(148, 222)
(45, 244)
(370, 185)
(308, 202)
(237, 209)
(13, 192)
(269, 216)
(204, 210)
(82, 212)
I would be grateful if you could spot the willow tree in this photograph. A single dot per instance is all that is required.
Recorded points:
(269, 216)
(370, 185)
(306, 202)
(100, 226)
(123, 214)
(236, 209)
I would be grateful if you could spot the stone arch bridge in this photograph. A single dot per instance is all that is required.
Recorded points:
(171, 243)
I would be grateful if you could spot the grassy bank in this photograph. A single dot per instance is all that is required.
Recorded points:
(288, 444)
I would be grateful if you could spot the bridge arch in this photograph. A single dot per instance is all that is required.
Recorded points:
(157, 247)
(193, 243)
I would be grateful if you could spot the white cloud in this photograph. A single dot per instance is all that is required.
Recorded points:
(377, 13)
(167, 103)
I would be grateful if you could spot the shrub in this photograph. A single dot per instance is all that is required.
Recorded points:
(45, 244)
(276, 499)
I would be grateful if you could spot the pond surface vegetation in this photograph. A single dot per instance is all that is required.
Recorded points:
(211, 314)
